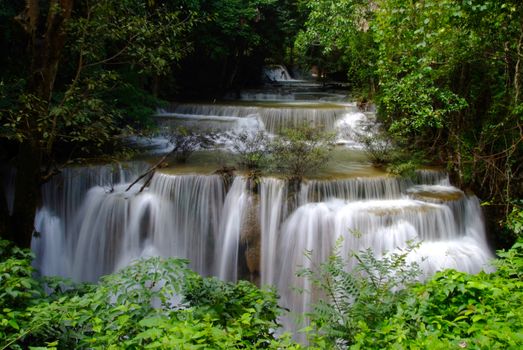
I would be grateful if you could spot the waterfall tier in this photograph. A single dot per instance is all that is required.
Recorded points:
(231, 232)
(269, 117)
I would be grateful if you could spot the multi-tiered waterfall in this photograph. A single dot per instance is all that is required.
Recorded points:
(90, 225)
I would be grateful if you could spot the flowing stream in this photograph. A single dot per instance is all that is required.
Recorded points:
(89, 225)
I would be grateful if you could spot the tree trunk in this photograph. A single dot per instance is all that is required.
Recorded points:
(47, 41)
(47, 46)
(27, 193)
(5, 219)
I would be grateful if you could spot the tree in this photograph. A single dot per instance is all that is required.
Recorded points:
(61, 96)
(450, 82)
(253, 150)
(338, 37)
(301, 151)
(234, 41)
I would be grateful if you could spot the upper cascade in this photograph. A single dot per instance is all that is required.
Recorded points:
(274, 118)
(342, 118)
(276, 73)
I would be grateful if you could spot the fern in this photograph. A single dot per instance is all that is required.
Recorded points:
(353, 300)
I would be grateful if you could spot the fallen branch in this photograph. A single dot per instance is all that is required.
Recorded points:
(150, 172)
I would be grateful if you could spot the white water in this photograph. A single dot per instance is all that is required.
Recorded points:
(228, 241)
(277, 73)
(177, 216)
(86, 233)
(273, 194)
(447, 241)
(342, 118)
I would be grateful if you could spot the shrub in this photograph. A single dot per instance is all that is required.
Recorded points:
(154, 303)
(301, 151)
(452, 310)
(359, 299)
(185, 142)
(252, 149)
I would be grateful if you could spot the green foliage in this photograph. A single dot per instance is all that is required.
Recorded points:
(70, 64)
(18, 290)
(110, 47)
(233, 41)
(253, 150)
(234, 22)
(155, 303)
(376, 306)
(356, 300)
(136, 104)
(377, 146)
(457, 310)
(385, 151)
(185, 142)
(301, 151)
(148, 35)
(450, 82)
(448, 74)
(514, 221)
(337, 37)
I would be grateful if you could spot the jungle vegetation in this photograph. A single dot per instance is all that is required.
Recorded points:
(445, 75)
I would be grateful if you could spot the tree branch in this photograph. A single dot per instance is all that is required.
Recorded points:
(160, 164)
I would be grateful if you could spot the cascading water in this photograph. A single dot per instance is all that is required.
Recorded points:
(273, 195)
(448, 224)
(177, 216)
(90, 225)
(228, 241)
(269, 117)
(276, 73)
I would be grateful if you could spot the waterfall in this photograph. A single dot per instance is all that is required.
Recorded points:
(276, 73)
(273, 197)
(103, 220)
(187, 222)
(98, 226)
(228, 241)
(107, 227)
(272, 118)
(58, 222)
(49, 248)
(262, 230)
(353, 189)
(308, 236)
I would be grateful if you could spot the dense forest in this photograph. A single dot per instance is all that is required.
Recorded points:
(78, 77)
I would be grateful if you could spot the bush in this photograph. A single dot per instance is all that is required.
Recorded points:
(457, 310)
(18, 291)
(377, 146)
(301, 151)
(154, 303)
(253, 150)
(356, 300)
(514, 221)
(452, 310)
(185, 142)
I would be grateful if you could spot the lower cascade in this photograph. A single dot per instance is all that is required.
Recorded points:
(93, 226)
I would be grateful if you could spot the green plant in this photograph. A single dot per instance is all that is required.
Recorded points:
(377, 146)
(186, 142)
(514, 222)
(457, 310)
(252, 149)
(301, 151)
(154, 303)
(18, 290)
(356, 300)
